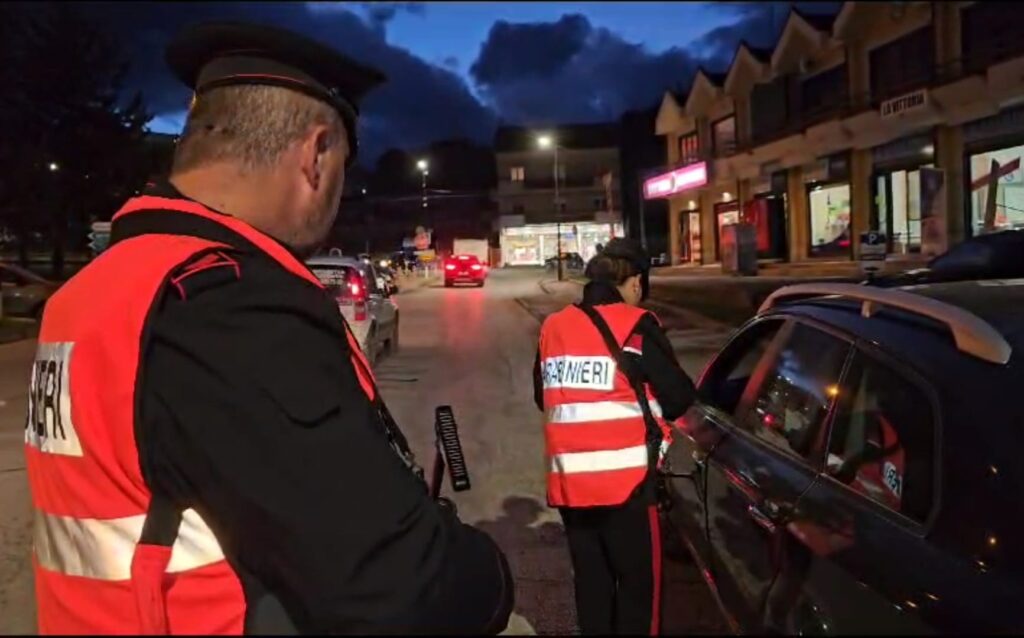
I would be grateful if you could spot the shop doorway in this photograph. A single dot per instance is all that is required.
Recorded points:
(897, 209)
(768, 214)
(689, 237)
(725, 214)
(829, 212)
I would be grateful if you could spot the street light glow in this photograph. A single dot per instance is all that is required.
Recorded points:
(53, 167)
(544, 141)
(422, 165)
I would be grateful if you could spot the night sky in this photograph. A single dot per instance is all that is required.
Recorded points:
(458, 69)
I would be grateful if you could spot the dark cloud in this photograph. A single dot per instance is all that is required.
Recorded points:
(519, 51)
(379, 14)
(420, 102)
(571, 71)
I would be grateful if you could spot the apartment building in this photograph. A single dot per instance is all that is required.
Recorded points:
(585, 211)
(900, 117)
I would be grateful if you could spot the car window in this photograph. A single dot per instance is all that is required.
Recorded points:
(883, 438)
(723, 384)
(334, 278)
(792, 389)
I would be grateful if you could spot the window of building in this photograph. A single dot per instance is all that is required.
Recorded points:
(600, 203)
(829, 210)
(997, 190)
(883, 438)
(724, 136)
(991, 33)
(689, 148)
(768, 117)
(518, 173)
(792, 390)
(518, 209)
(823, 93)
(902, 65)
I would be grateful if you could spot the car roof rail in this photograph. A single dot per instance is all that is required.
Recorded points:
(972, 334)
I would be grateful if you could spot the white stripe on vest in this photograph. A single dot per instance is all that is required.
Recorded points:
(602, 461)
(102, 549)
(599, 411)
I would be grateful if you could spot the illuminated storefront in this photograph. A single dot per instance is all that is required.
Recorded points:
(994, 193)
(828, 207)
(532, 244)
(896, 188)
(673, 184)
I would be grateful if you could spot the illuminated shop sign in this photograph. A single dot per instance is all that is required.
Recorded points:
(677, 181)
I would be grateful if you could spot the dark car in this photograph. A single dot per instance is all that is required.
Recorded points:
(570, 261)
(853, 463)
(992, 256)
(23, 292)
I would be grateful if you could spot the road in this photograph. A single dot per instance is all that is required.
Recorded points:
(472, 349)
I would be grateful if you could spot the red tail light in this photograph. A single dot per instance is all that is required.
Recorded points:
(355, 291)
(449, 266)
(476, 267)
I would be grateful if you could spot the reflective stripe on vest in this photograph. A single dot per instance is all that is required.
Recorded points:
(601, 461)
(599, 411)
(102, 549)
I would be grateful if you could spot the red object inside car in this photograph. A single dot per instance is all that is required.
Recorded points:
(354, 291)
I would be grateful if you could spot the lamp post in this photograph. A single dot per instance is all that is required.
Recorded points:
(422, 165)
(544, 142)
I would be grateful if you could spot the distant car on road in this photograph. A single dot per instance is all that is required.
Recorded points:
(464, 269)
(24, 292)
(364, 301)
(853, 463)
(570, 261)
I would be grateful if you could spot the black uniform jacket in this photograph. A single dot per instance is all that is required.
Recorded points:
(250, 412)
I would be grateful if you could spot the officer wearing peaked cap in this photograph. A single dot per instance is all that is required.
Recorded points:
(206, 445)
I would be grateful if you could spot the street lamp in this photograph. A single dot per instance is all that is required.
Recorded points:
(422, 165)
(546, 142)
(53, 167)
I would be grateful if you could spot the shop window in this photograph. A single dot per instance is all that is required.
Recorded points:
(689, 149)
(725, 214)
(882, 441)
(789, 395)
(997, 190)
(898, 201)
(518, 173)
(724, 136)
(902, 65)
(829, 209)
(693, 234)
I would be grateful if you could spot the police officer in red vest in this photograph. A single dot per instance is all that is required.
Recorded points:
(206, 446)
(609, 384)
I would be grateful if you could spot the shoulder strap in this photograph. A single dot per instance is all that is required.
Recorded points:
(627, 366)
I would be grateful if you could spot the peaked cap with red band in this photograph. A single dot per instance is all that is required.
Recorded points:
(214, 54)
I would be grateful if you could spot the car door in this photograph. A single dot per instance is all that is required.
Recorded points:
(719, 392)
(860, 561)
(764, 460)
(381, 307)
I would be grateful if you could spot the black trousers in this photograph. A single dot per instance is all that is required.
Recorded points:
(616, 562)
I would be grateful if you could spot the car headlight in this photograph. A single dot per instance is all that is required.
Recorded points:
(384, 263)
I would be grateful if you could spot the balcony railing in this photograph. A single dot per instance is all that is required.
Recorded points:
(564, 182)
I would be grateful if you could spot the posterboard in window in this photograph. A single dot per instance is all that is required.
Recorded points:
(330, 276)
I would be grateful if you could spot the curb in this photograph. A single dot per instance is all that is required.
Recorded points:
(530, 311)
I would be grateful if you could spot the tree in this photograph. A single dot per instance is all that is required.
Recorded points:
(77, 146)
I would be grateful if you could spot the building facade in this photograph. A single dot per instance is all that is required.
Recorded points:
(898, 117)
(532, 220)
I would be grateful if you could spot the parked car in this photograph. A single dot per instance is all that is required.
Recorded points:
(24, 292)
(364, 301)
(853, 463)
(992, 256)
(570, 261)
(464, 269)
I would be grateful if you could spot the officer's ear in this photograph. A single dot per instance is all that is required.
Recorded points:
(314, 155)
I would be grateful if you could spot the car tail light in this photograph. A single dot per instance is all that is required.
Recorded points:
(355, 292)
(476, 267)
(449, 266)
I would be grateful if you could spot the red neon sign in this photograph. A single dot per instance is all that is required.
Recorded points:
(679, 180)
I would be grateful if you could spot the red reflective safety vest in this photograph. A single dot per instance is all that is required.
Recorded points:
(92, 574)
(596, 439)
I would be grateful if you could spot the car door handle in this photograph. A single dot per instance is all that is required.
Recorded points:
(762, 519)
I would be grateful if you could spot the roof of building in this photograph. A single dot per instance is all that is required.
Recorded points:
(821, 21)
(761, 54)
(574, 136)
